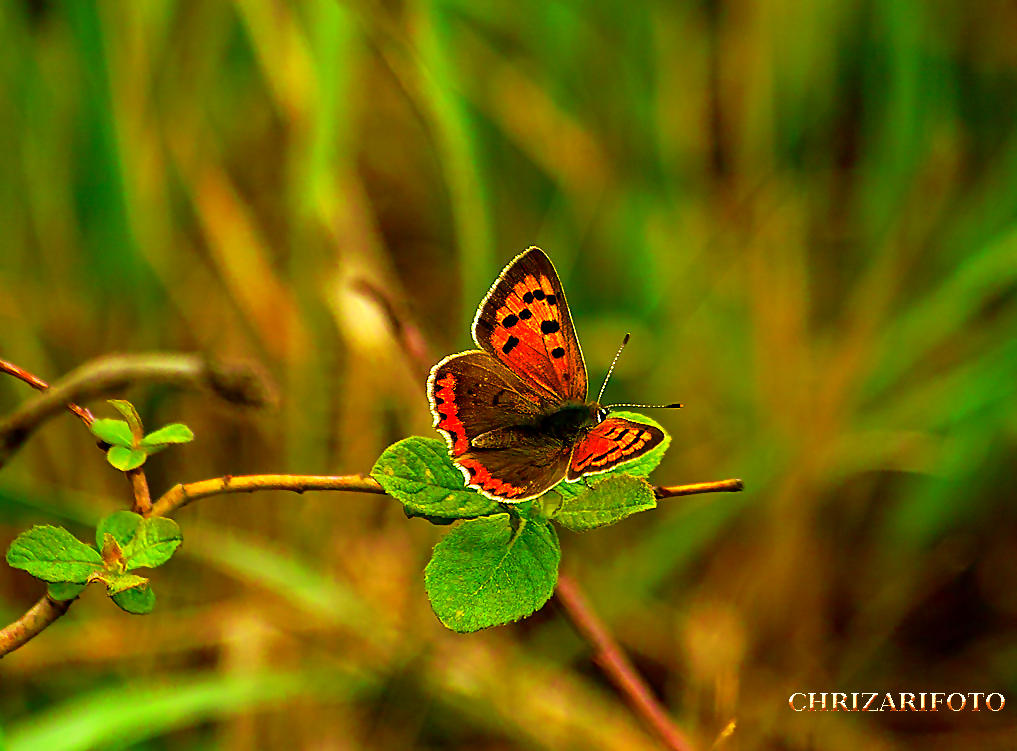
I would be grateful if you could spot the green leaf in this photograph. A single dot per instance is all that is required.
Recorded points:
(418, 472)
(153, 544)
(175, 433)
(487, 572)
(130, 414)
(145, 542)
(138, 600)
(61, 591)
(124, 458)
(122, 525)
(53, 554)
(570, 490)
(113, 432)
(608, 500)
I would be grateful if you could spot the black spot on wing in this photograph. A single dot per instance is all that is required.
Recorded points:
(510, 320)
(557, 353)
(538, 294)
(528, 298)
(549, 327)
(551, 300)
(509, 344)
(525, 314)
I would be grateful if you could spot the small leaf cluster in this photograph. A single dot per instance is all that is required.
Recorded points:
(129, 446)
(124, 541)
(500, 562)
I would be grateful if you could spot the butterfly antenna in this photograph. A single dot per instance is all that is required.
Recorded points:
(673, 405)
(611, 369)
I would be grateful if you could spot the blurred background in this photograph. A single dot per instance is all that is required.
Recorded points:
(804, 212)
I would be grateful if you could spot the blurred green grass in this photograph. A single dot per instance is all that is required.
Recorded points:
(806, 213)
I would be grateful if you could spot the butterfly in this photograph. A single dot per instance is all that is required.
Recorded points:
(514, 412)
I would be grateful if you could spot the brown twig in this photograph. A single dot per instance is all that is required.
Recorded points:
(139, 490)
(46, 611)
(38, 618)
(115, 373)
(37, 383)
(719, 486)
(234, 383)
(609, 655)
(607, 652)
(180, 495)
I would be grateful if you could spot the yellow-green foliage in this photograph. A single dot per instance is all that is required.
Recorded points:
(805, 213)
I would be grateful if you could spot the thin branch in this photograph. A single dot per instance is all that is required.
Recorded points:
(46, 611)
(115, 373)
(139, 490)
(37, 383)
(607, 652)
(180, 495)
(38, 617)
(719, 486)
(237, 383)
(609, 655)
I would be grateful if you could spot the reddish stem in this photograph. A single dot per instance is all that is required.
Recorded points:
(37, 383)
(609, 655)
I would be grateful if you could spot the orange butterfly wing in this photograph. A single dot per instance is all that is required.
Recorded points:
(525, 322)
(612, 442)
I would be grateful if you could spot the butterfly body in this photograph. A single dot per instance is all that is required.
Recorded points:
(571, 421)
(564, 425)
(515, 413)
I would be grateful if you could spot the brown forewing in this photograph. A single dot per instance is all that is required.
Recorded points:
(472, 393)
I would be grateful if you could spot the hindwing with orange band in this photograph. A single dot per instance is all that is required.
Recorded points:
(612, 442)
(528, 469)
(478, 404)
